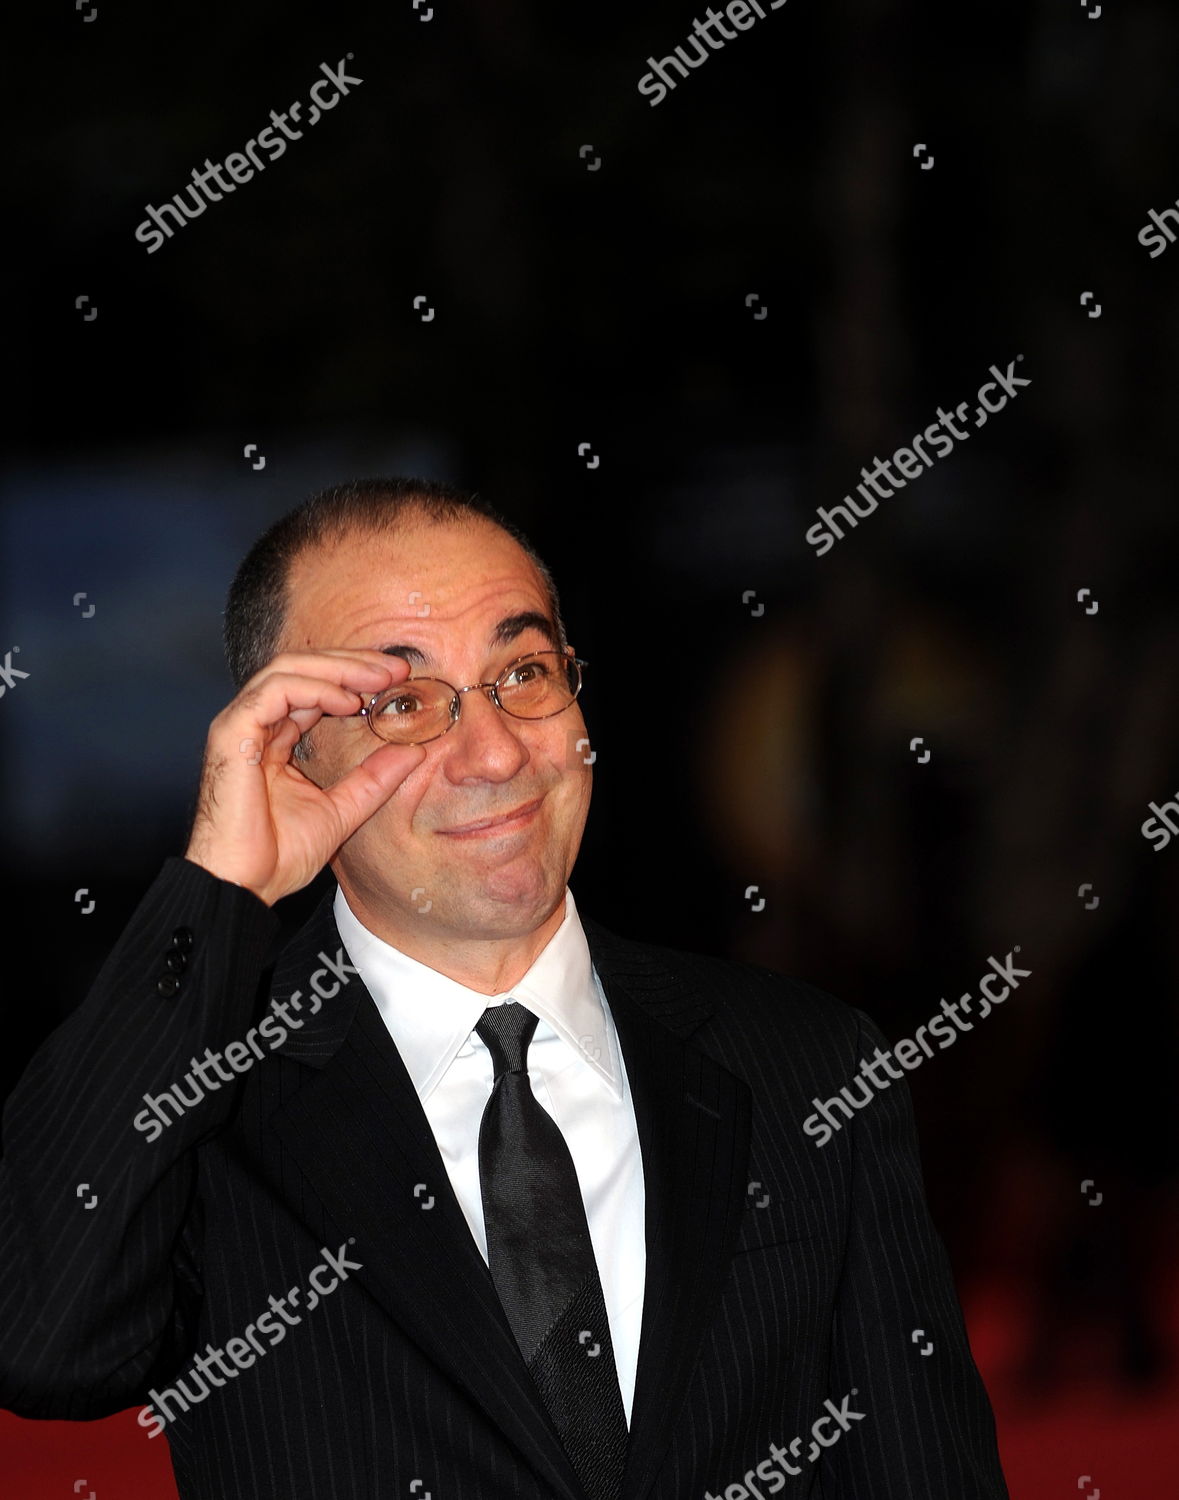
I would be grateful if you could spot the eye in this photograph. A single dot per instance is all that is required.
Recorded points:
(401, 705)
(527, 672)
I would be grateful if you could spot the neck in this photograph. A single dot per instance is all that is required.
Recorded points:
(490, 966)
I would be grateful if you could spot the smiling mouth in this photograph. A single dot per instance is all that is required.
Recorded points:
(505, 824)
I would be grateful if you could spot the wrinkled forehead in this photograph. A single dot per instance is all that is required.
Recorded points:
(439, 578)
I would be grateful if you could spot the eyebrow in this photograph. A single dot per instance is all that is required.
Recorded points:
(506, 631)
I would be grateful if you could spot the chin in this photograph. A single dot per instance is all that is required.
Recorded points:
(516, 893)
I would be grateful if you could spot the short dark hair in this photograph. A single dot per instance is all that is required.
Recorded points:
(256, 609)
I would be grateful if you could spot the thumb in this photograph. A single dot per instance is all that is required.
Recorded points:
(369, 785)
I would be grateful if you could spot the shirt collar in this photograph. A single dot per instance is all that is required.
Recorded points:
(431, 1016)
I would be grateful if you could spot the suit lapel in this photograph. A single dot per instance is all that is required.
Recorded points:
(357, 1131)
(693, 1119)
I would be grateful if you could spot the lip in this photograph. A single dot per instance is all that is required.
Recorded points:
(506, 824)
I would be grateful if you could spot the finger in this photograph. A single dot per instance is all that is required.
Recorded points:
(332, 673)
(335, 664)
(304, 718)
(286, 683)
(283, 740)
(274, 744)
(275, 697)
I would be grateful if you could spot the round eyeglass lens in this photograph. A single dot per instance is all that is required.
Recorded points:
(538, 686)
(413, 712)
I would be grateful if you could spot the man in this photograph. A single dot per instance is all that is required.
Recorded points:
(527, 1205)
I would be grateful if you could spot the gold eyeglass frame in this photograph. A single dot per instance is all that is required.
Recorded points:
(490, 688)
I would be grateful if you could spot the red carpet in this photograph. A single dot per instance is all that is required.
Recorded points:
(1126, 1443)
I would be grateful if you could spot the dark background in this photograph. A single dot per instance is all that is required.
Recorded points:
(608, 305)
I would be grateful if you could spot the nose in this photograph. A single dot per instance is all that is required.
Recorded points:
(484, 745)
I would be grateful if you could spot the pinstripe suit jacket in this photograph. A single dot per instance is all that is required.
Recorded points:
(760, 1305)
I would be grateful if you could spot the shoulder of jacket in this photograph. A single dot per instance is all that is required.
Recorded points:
(741, 991)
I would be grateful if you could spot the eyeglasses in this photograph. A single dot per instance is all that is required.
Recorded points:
(421, 709)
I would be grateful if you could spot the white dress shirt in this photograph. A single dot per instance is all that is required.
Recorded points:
(576, 1070)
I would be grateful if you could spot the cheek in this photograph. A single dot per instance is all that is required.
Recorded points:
(403, 806)
(571, 751)
(571, 796)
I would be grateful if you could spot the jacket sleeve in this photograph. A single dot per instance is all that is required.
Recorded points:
(99, 1228)
(926, 1430)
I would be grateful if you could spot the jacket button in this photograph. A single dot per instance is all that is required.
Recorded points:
(182, 938)
(167, 985)
(175, 962)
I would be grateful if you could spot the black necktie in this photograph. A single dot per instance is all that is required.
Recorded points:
(542, 1260)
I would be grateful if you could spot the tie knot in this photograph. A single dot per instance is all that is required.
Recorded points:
(507, 1029)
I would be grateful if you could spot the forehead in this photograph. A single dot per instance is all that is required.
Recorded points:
(442, 587)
